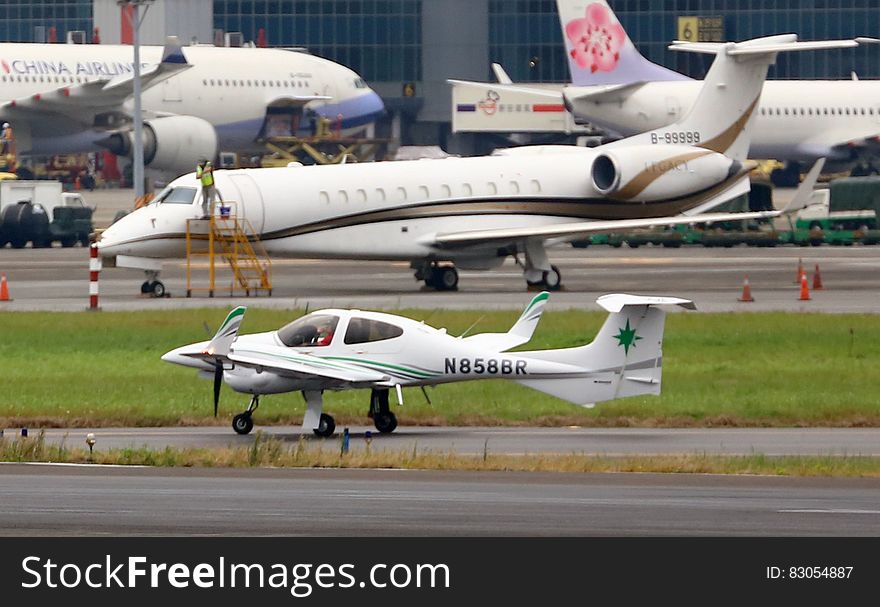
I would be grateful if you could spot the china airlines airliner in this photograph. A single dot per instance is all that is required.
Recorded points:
(197, 100)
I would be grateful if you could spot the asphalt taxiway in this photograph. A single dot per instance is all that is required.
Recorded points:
(66, 500)
(57, 279)
(510, 440)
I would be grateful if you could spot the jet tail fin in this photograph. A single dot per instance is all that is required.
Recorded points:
(722, 117)
(598, 49)
(221, 343)
(625, 358)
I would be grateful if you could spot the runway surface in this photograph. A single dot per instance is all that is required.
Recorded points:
(601, 441)
(57, 279)
(56, 500)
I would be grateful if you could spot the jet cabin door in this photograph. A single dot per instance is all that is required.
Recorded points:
(248, 199)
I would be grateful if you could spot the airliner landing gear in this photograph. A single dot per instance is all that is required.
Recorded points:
(384, 420)
(441, 278)
(243, 423)
(537, 271)
(152, 286)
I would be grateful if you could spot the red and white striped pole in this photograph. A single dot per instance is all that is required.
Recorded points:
(94, 269)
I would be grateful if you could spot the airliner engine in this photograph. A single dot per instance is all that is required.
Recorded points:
(659, 172)
(171, 143)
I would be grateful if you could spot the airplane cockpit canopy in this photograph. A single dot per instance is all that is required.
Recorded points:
(311, 330)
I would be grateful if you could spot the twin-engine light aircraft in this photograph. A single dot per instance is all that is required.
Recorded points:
(351, 349)
(473, 213)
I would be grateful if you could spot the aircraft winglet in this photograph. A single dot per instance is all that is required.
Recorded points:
(173, 52)
(520, 333)
(221, 343)
(802, 196)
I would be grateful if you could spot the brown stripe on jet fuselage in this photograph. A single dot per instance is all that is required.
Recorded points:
(640, 182)
(721, 143)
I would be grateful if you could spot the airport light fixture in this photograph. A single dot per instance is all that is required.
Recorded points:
(136, 18)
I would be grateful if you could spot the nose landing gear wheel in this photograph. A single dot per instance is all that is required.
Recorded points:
(242, 423)
(385, 422)
(326, 426)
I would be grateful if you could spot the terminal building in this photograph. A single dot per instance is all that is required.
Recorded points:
(406, 49)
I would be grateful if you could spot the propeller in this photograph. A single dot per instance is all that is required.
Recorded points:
(218, 381)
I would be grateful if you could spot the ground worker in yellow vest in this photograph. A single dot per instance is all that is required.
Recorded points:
(205, 175)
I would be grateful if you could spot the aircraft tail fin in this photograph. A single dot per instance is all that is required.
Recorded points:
(723, 116)
(625, 358)
(226, 334)
(520, 333)
(599, 50)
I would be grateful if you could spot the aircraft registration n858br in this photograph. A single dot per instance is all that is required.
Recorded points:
(353, 349)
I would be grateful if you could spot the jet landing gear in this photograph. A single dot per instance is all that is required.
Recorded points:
(152, 286)
(551, 280)
(537, 271)
(441, 278)
(384, 420)
(243, 423)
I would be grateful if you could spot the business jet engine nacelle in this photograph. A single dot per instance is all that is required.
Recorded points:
(171, 143)
(659, 172)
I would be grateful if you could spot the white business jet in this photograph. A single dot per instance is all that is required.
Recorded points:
(350, 349)
(66, 98)
(614, 87)
(475, 212)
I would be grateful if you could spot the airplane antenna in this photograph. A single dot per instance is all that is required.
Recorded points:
(425, 392)
(468, 330)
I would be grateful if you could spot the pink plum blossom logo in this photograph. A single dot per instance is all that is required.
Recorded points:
(596, 39)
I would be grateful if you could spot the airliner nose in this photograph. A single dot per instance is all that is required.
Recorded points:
(375, 103)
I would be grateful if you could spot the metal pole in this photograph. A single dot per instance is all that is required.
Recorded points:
(137, 157)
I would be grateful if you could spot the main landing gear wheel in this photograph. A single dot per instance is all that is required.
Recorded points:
(552, 280)
(385, 422)
(326, 426)
(153, 288)
(443, 278)
(243, 423)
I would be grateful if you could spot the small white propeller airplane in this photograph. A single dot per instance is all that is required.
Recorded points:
(351, 349)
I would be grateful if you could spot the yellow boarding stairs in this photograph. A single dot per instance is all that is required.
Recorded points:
(226, 246)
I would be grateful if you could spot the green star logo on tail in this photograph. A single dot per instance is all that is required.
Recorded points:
(627, 337)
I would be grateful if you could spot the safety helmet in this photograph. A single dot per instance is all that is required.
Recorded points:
(5, 125)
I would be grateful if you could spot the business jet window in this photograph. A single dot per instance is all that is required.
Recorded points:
(311, 330)
(176, 195)
(364, 330)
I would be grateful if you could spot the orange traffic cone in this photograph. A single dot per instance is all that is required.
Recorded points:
(817, 280)
(747, 292)
(800, 270)
(805, 289)
(4, 289)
